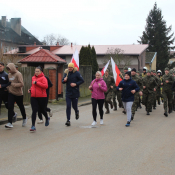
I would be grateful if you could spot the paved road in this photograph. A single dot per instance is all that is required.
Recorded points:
(147, 147)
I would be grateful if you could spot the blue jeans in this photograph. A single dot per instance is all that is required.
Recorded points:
(74, 105)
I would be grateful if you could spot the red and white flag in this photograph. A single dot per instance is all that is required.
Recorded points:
(116, 72)
(75, 59)
(104, 69)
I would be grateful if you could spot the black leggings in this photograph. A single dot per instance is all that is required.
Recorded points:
(39, 111)
(19, 101)
(38, 103)
(100, 103)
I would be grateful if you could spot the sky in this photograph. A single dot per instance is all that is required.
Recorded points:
(95, 22)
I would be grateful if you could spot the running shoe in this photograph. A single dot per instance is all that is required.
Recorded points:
(94, 123)
(24, 122)
(40, 122)
(68, 123)
(47, 122)
(9, 125)
(33, 128)
(101, 121)
(127, 124)
(15, 118)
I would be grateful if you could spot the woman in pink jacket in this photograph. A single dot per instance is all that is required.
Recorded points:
(98, 87)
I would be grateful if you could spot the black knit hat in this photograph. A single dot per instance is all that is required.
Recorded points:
(134, 70)
(128, 73)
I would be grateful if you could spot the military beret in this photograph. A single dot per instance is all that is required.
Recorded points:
(107, 70)
(138, 71)
(167, 69)
(125, 68)
(148, 71)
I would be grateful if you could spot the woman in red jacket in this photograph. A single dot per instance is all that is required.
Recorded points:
(38, 96)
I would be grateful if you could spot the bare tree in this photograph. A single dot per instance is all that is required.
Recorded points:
(52, 39)
(118, 56)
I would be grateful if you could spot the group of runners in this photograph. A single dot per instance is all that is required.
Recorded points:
(148, 88)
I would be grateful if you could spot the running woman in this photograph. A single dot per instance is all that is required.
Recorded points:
(98, 87)
(38, 96)
(128, 87)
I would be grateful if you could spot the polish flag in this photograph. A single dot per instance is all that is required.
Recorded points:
(75, 59)
(116, 72)
(104, 69)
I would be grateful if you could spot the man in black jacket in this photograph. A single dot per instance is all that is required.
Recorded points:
(4, 82)
(73, 80)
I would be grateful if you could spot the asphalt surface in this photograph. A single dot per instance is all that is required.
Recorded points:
(147, 147)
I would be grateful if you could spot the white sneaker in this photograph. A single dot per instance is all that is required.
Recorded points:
(50, 113)
(40, 122)
(9, 125)
(94, 123)
(24, 122)
(101, 122)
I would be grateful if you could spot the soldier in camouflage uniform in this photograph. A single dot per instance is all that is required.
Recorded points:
(108, 94)
(153, 72)
(173, 102)
(149, 86)
(159, 93)
(140, 101)
(138, 80)
(167, 81)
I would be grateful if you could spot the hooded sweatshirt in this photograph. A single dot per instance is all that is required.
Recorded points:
(98, 91)
(16, 80)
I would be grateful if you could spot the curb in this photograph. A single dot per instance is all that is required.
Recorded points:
(5, 120)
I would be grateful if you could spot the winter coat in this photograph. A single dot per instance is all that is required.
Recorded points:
(72, 77)
(16, 80)
(39, 89)
(128, 86)
(98, 91)
(4, 81)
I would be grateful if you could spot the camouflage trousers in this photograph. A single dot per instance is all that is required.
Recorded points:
(135, 103)
(147, 100)
(108, 97)
(114, 99)
(173, 101)
(158, 95)
(154, 98)
(119, 98)
(167, 98)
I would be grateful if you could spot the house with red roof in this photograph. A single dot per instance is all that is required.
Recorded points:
(48, 60)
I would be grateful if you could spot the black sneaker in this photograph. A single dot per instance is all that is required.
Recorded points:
(68, 123)
(165, 114)
(124, 112)
(77, 115)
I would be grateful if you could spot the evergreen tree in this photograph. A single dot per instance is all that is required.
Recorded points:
(82, 60)
(94, 61)
(158, 36)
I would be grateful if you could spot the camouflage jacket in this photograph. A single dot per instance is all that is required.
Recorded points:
(138, 80)
(167, 86)
(109, 82)
(150, 84)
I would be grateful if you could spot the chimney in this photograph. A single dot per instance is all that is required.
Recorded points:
(16, 25)
(71, 44)
(57, 43)
(34, 43)
(3, 21)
